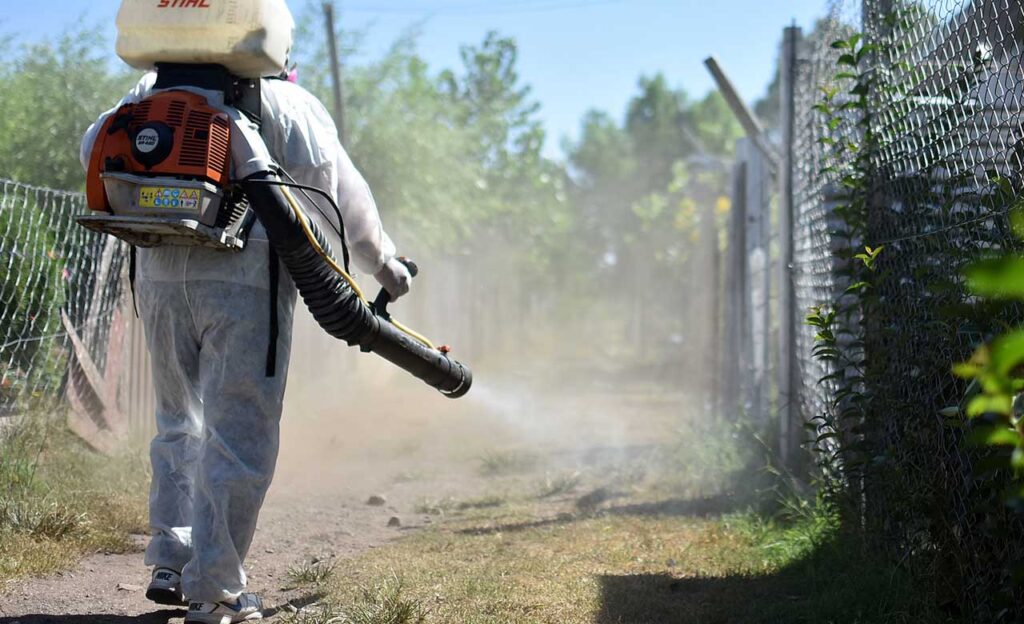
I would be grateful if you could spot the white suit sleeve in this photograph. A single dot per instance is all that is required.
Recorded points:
(138, 92)
(302, 136)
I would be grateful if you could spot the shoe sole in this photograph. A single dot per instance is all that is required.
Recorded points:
(165, 597)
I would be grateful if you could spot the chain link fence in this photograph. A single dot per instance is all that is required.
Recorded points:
(65, 332)
(945, 111)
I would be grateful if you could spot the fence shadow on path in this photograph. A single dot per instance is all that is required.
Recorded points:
(694, 507)
(830, 584)
(662, 598)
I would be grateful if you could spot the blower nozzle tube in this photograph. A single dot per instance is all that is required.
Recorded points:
(334, 304)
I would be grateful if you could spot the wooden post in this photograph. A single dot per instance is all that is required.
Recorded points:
(788, 395)
(336, 85)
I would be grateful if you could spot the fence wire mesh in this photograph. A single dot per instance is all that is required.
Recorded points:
(59, 284)
(815, 269)
(945, 110)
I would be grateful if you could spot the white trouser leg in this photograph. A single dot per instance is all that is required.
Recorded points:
(214, 337)
(174, 452)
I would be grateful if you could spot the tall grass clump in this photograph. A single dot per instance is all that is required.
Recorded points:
(59, 500)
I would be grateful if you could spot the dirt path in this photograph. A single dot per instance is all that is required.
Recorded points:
(336, 454)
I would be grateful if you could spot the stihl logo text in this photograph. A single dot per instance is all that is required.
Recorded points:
(183, 4)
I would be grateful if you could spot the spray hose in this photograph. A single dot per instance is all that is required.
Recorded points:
(331, 262)
(335, 299)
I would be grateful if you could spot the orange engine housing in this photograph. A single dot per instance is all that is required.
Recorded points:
(195, 137)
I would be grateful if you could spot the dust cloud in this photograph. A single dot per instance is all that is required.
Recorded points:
(565, 382)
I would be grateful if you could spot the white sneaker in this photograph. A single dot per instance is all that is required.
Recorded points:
(165, 588)
(247, 607)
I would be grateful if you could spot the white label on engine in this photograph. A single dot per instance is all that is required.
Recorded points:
(146, 140)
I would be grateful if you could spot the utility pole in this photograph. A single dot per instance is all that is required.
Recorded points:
(337, 87)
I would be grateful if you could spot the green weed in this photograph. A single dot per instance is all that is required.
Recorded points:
(314, 572)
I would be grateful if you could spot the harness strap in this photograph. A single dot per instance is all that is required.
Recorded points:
(275, 282)
(132, 268)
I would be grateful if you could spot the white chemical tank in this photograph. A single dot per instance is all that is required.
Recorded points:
(252, 38)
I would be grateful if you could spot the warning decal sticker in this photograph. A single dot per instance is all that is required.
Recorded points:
(168, 197)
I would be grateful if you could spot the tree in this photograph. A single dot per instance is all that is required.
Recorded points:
(50, 95)
(657, 123)
(640, 192)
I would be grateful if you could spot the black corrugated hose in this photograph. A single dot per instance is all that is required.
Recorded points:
(333, 302)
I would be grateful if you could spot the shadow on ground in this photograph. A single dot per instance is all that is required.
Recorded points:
(830, 586)
(588, 506)
(156, 617)
(662, 598)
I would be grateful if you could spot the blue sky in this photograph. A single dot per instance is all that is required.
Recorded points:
(577, 54)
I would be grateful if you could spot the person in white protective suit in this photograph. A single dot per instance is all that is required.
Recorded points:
(218, 407)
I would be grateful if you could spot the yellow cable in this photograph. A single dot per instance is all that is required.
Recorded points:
(304, 222)
(414, 334)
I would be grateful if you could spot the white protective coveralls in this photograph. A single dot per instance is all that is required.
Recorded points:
(207, 319)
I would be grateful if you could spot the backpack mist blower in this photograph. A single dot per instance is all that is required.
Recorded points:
(181, 168)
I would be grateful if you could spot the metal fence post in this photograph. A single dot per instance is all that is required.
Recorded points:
(788, 397)
(756, 301)
(735, 338)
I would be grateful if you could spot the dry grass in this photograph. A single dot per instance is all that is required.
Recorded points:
(436, 506)
(59, 501)
(626, 566)
(501, 463)
(482, 502)
(448, 505)
(558, 485)
(382, 603)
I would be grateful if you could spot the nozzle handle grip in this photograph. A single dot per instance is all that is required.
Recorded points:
(380, 304)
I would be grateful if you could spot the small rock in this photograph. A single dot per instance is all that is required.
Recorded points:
(291, 608)
(395, 521)
(376, 501)
(269, 551)
(128, 587)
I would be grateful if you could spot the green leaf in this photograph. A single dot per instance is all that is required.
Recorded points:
(999, 278)
(864, 51)
(993, 436)
(1007, 353)
(1017, 459)
(1017, 219)
(990, 404)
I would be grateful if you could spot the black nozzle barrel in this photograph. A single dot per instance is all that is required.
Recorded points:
(333, 302)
